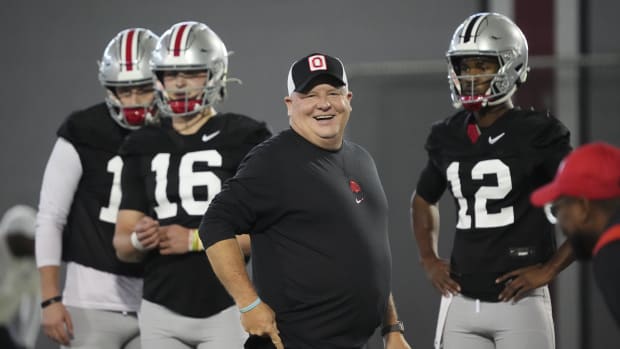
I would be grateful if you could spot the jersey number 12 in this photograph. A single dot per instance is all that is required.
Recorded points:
(482, 218)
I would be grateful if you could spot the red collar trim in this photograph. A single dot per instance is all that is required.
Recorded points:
(612, 234)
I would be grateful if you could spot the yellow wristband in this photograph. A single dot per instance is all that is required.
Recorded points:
(195, 244)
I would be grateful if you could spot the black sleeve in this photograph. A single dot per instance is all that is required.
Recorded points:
(132, 186)
(606, 270)
(431, 184)
(243, 199)
(553, 143)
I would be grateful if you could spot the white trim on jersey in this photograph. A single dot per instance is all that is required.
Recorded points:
(60, 181)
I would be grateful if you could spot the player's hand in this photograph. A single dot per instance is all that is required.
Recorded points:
(173, 239)
(57, 324)
(146, 230)
(395, 340)
(261, 321)
(438, 271)
(523, 280)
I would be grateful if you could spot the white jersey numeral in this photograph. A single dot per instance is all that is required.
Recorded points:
(159, 165)
(188, 180)
(482, 218)
(108, 214)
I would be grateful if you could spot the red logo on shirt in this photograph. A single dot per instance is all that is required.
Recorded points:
(357, 190)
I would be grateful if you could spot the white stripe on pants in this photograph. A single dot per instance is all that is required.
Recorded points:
(161, 328)
(528, 323)
(102, 329)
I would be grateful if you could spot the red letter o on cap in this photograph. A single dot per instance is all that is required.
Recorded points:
(317, 62)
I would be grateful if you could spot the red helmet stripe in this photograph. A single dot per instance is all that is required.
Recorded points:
(178, 39)
(128, 50)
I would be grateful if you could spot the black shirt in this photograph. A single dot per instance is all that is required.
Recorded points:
(88, 233)
(318, 223)
(173, 178)
(606, 264)
(491, 181)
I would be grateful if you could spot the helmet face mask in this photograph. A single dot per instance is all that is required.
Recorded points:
(134, 113)
(487, 35)
(125, 65)
(186, 50)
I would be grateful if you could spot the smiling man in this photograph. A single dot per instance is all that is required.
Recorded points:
(317, 216)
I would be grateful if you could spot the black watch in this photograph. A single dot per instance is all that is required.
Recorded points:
(397, 327)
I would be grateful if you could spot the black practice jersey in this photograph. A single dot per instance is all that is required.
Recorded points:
(320, 251)
(173, 178)
(606, 265)
(88, 234)
(491, 180)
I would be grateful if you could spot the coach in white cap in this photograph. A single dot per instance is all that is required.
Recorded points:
(315, 208)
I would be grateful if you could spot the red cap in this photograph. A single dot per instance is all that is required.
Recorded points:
(591, 171)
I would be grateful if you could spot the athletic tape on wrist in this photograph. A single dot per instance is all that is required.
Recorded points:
(136, 243)
(195, 244)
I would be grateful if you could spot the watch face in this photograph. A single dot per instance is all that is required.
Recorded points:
(397, 327)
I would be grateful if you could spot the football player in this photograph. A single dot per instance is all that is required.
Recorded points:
(172, 173)
(491, 155)
(79, 201)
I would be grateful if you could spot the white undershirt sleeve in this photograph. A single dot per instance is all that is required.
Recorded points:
(60, 181)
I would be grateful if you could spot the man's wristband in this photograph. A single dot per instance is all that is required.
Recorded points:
(51, 301)
(397, 327)
(195, 244)
(251, 306)
(136, 243)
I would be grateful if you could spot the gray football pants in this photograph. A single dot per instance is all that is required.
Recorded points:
(101, 329)
(528, 323)
(161, 328)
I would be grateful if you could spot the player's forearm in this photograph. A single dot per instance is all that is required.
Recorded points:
(391, 316)
(562, 258)
(244, 244)
(126, 221)
(125, 251)
(48, 276)
(228, 264)
(425, 226)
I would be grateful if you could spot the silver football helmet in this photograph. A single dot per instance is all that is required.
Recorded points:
(491, 35)
(125, 63)
(190, 46)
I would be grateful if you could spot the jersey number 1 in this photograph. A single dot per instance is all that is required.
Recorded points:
(108, 214)
(482, 218)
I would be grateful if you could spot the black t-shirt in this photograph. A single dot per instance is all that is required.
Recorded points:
(491, 180)
(173, 178)
(320, 251)
(88, 233)
(606, 264)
